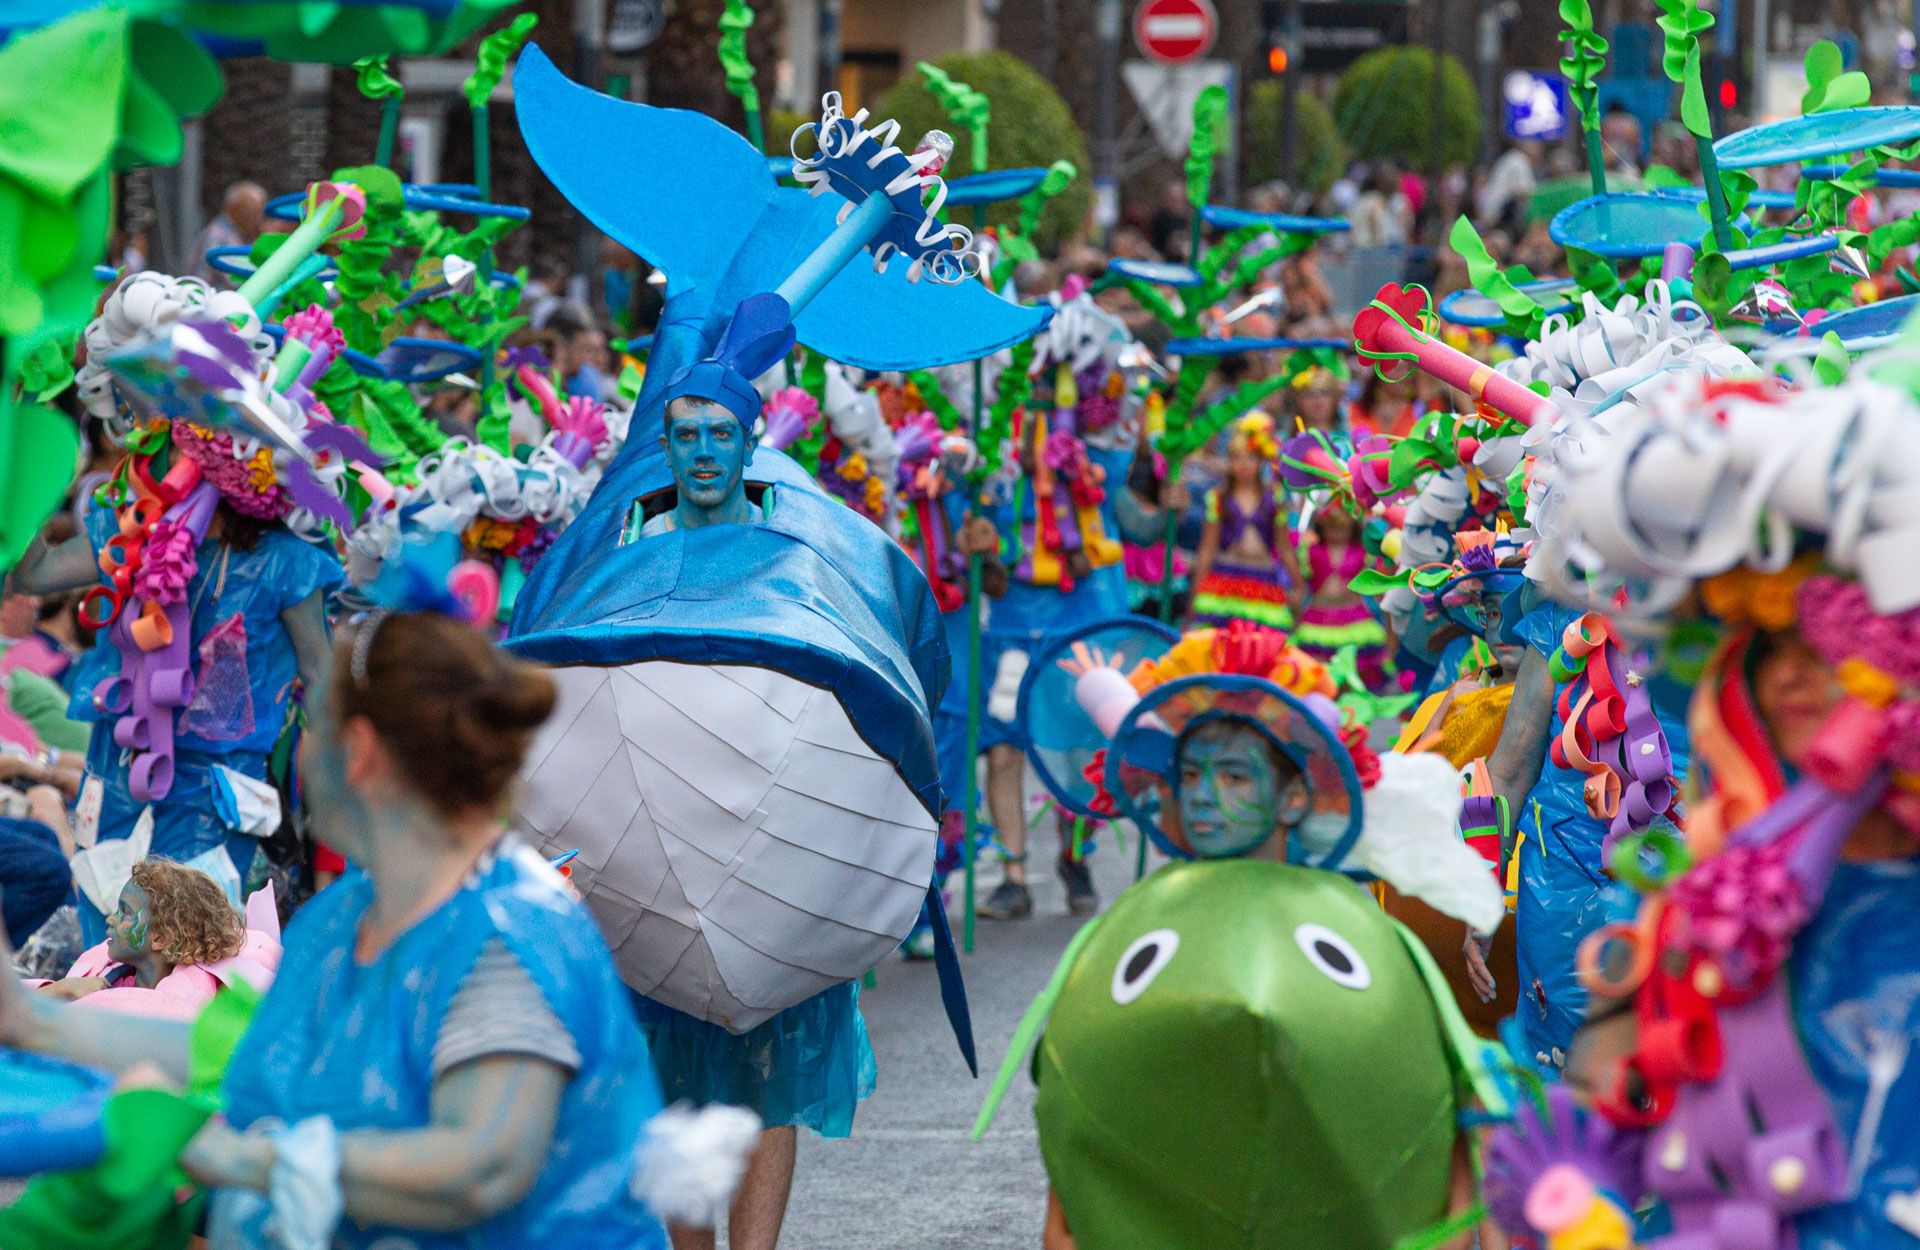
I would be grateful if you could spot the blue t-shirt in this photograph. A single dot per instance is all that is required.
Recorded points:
(244, 665)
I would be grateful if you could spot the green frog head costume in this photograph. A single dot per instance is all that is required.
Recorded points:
(1249, 1053)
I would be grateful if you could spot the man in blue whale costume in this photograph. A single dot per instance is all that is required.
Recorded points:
(743, 752)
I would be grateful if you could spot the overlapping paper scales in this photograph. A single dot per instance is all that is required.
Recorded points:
(741, 845)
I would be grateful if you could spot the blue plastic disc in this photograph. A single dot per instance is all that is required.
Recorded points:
(236, 261)
(1870, 325)
(1061, 739)
(1281, 223)
(1158, 272)
(426, 360)
(1819, 135)
(421, 197)
(1783, 251)
(1239, 347)
(49, 1114)
(1468, 307)
(1629, 225)
(994, 186)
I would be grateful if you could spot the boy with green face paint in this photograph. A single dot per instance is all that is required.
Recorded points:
(1244, 1051)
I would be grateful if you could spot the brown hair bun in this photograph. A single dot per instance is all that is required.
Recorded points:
(456, 712)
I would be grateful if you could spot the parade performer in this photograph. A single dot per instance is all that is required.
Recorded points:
(1245, 566)
(1335, 616)
(1752, 1020)
(1288, 977)
(744, 753)
(206, 578)
(446, 1056)
(1075, 501)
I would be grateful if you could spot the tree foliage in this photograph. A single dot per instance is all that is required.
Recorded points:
(1383, 106)
(1319, 153)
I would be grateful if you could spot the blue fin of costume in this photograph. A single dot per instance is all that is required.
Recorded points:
(953, 987)
(677, 187)
(760, 334)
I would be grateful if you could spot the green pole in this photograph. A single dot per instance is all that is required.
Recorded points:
(302, 243)
(389, 130)
(1716, 194)
(1596, 164)
(970, 787)
(483, 181)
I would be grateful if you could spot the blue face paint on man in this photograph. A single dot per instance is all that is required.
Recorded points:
(1236, 792)
(707, 449)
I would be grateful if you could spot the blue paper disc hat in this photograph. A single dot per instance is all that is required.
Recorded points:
(1465, 599)
(1142, 771)
(1060, 737)
(760, 334)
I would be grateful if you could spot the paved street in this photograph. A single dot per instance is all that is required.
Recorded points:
(909, 1178)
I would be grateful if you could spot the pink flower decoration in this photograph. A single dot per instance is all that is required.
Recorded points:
(353, 208)
(313, 325)
(213, 452)
(1741, 908)
(167, 564)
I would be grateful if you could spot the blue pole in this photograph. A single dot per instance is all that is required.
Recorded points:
(835, 251)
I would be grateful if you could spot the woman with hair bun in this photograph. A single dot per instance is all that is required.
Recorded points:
(447, 1057)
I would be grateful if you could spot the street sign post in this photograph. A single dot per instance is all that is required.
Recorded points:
(1165, 94)
(1175, 32)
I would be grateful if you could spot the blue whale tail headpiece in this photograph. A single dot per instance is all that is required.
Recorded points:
(759, 337)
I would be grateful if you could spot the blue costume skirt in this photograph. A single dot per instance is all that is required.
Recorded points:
(810, 1065)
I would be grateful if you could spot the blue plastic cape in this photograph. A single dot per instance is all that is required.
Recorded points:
(815, 591)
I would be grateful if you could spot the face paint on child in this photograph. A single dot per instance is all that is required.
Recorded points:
(128, 928)
(1230, 791)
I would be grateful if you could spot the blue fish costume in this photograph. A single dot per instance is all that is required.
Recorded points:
(743, 753)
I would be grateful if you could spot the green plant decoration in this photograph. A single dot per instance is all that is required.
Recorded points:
(1584, 62)
(1830, 85)
(735, 21)
(1524, 314)
(969, 109)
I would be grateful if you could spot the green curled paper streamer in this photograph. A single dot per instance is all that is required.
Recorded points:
(490, 63)
(965, 106)
(374, 80)
(733, 53)
(1209, 115)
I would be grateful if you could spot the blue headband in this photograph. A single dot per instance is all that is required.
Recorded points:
(760, 333)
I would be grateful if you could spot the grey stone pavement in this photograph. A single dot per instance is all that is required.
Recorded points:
(910, 1177)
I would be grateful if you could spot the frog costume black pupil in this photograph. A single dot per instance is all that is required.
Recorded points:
(1335, 957)
(1141, 961)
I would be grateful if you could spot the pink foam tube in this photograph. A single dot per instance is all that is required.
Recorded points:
(1107, 696)
(1458, 370)
(1849, 746)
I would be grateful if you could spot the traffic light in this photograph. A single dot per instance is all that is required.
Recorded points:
(1277, 59)
(1729, 94)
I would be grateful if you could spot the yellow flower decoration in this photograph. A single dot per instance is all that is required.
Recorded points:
(854, 467)
(1745, 596)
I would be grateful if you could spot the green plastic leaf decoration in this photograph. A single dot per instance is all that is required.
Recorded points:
(1203, 150)
(968, 109)
(935, 398)
(374, 80)
(1585, 60)
(1830, 85)
(496, 52)
(1524, 313)
(734, 23)
(1693, 97)
(1682, 22)
(1194, 434)
(1885, 240)
(1016, 383)
(1833, 361)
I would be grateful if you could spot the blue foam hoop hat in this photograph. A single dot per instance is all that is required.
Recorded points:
(760, 333)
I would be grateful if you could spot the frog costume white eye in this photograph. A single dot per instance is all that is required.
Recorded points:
(1141, 962)
(1333, 956)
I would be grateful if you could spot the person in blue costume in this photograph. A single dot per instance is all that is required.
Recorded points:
(257, 598)
(715, 553)
(811, 1064)
(1564, 890)
(446, 1058)
(1020, 627)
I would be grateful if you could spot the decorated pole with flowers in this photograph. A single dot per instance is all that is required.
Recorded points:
(1394, 327)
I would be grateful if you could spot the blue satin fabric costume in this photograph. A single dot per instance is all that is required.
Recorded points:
(355, 1043)
(1565, 892)
(1855, 982)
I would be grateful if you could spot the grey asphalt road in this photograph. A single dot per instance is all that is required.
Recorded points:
(910, 1177)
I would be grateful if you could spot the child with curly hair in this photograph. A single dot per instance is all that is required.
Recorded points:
(173, 924)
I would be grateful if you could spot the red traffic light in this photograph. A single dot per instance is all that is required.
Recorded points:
(1277, 59)
(1729, 94)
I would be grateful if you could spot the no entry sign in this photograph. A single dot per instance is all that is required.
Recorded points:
(1174, 32)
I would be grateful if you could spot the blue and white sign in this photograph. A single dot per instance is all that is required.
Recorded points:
(1537, 105)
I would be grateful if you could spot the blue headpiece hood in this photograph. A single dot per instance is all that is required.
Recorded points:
(759, 336)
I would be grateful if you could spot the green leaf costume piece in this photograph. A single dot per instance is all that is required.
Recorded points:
(1198, 1075)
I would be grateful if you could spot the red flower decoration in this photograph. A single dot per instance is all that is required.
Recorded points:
(1372, 321)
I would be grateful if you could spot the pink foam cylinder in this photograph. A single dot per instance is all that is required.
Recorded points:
(1462, 372)
(1106, 696)
(1850, 746)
